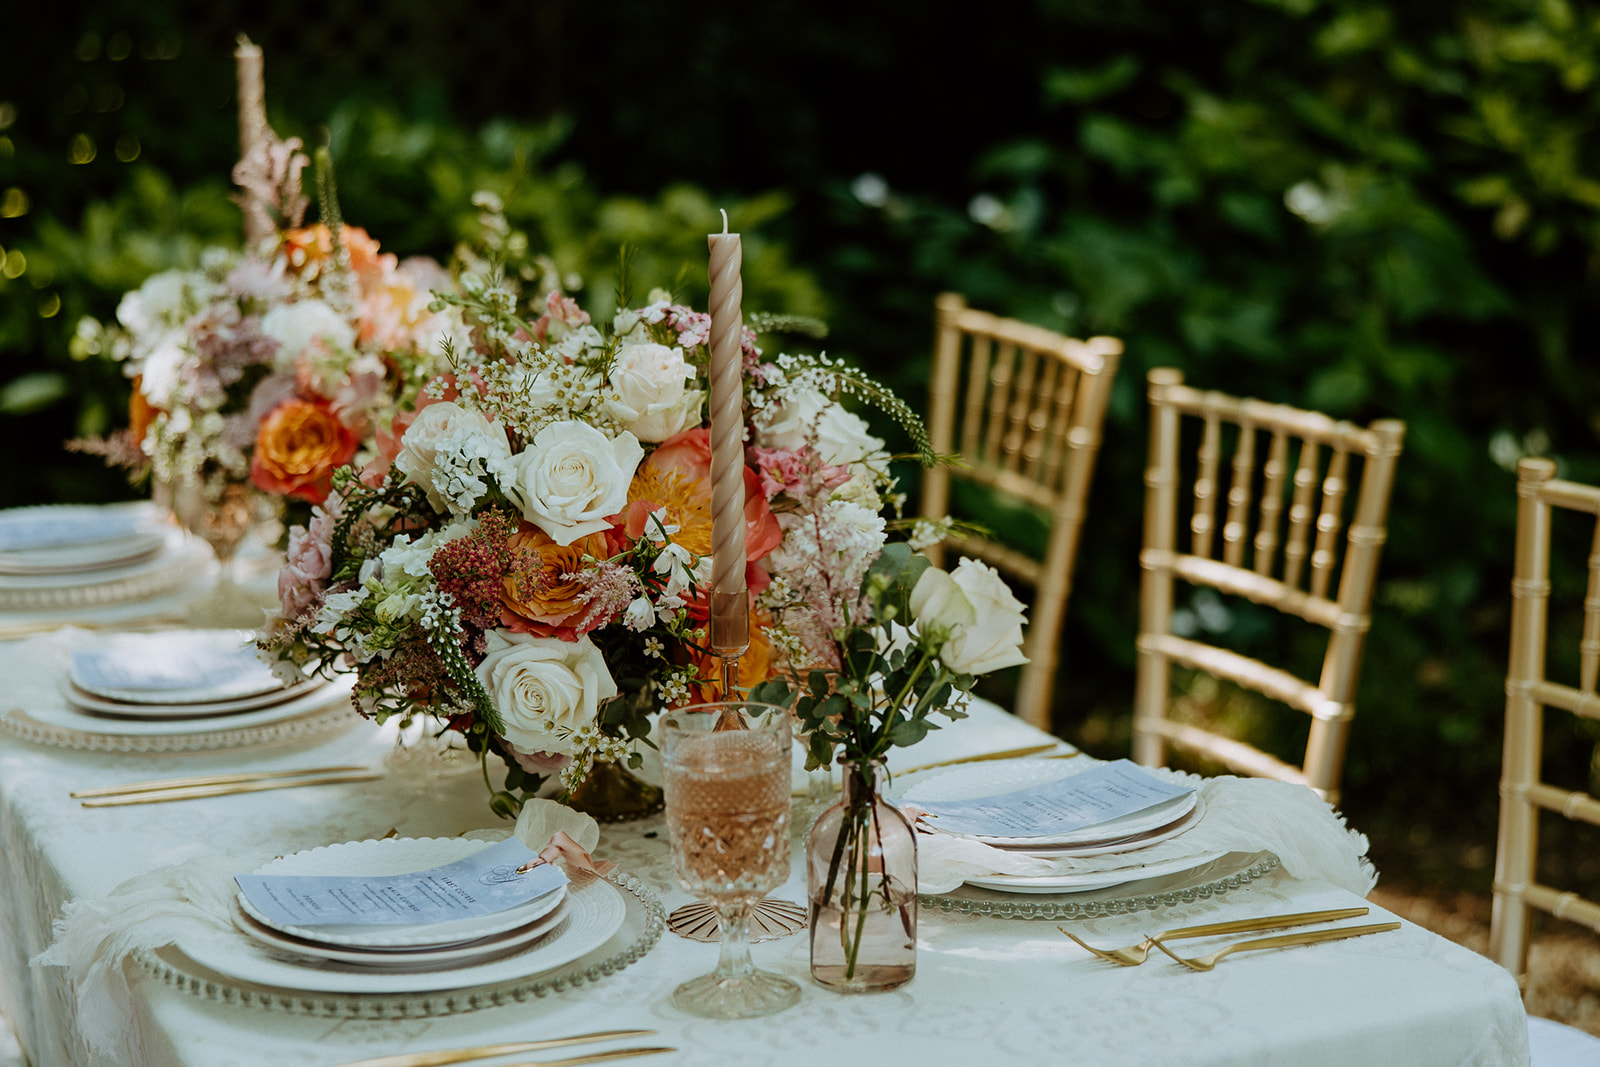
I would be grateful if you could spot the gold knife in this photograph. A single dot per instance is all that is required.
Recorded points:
(461, 1055)
(1010, 753)
(159, 784)
(201, 791)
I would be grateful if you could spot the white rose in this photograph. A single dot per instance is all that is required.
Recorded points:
(787, 424)
(651, 396)
(805, 416)
(160, 370)
(160, 301)
(842, 437)
(545, 689)
(571, 477)
(448, 447)
(992, 638)
(938, 604)
(296, 326)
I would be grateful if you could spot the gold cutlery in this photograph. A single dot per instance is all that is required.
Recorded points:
(593, 1057)
(198, 792)
(478, 1052)
(1010, 753)
(1134, 955)
(156, 784)
(1313, 937)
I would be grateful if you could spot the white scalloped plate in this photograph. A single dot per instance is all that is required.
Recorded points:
(596, 910)
(1133, 843)
(72, 559)
(180, 558)
(65, 717)
(118, 710)
(398, 855)
(998, 777)
(1087, 880)
(483, 947)
(172, 667)
(48, 526)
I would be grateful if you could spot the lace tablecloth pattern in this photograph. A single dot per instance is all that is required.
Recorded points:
(987, 990)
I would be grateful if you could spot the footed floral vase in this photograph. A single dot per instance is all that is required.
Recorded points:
(612, 793)
(861, 872)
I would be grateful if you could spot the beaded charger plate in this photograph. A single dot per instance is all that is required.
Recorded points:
(643, 921)
(1226, 872)
(323, 709)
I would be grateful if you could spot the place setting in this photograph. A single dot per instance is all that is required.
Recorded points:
(415, 925)
(93, 563)
(1043, 838)
(173, 690)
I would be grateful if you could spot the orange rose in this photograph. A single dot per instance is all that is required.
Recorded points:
(538, 596)
(141, 413)
(308, 250)
(298, 446)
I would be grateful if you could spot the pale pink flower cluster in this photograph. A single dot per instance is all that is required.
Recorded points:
(308, 564)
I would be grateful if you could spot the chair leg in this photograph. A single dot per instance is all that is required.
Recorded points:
(1149, 708)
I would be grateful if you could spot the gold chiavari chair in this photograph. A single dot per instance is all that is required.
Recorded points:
(1022, 407)
(1523, 794)
(1305, 461)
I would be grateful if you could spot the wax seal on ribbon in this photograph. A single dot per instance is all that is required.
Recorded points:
(556, 832)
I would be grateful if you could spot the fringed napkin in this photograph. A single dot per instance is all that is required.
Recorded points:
(94, 938)
(1241, 815)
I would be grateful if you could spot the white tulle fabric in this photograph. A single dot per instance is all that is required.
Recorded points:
(94, 938)
(1241, 815)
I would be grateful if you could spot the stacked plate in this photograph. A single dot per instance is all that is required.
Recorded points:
(76, 556)
(182, 675)
(1118, 846)
(527, 939)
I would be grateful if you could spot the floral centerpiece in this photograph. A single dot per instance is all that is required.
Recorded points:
(528, 562)
(259, 374)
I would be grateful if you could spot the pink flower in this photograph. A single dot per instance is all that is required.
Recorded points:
(561, 312)
(309, 562)
(538, 762)
(796, 471)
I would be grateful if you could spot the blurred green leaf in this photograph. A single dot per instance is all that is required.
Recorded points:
(31, 392)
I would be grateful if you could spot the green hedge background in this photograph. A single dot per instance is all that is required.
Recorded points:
(1375, 209)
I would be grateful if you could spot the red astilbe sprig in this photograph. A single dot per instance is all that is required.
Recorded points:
(472, 569)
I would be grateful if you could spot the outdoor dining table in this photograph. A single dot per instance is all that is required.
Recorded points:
(987, 990)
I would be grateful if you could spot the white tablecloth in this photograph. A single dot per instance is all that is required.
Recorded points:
(987, 990)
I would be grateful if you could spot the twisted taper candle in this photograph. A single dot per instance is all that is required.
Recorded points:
(253, 130)
(730, 604)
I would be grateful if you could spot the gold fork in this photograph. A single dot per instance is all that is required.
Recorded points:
(1134, 955)
(1205, 963)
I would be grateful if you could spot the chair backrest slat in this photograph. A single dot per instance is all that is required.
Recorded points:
(1300, 515)
(1589, 648)
(1204, 522)
(1000, 372)
(1322, 452)
(1329, 521)
(1244, 469)
(1274, 475)
(1036, 441)
(1026, 424)
(1053, 470)
(977, 391)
